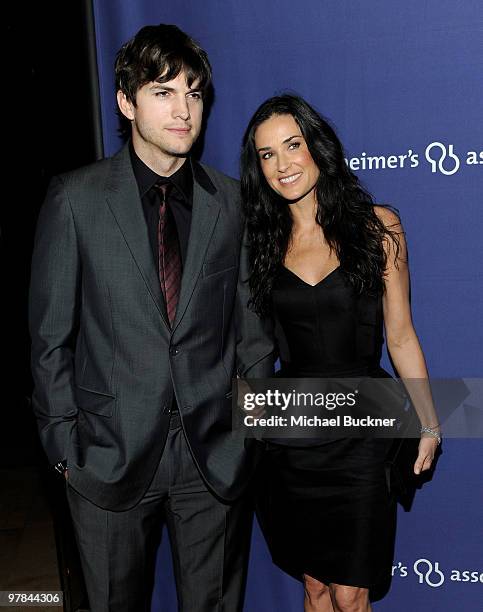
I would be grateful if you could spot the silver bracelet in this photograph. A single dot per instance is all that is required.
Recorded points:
(431, 432)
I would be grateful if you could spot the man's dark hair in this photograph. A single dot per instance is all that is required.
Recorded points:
(159, 53)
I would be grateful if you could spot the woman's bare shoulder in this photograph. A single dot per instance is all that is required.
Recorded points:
(390, 218)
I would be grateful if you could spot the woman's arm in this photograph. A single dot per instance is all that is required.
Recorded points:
(402, 341)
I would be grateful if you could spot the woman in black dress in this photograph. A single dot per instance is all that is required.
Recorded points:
(330, 267)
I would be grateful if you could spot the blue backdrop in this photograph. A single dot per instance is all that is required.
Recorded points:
(403, 84)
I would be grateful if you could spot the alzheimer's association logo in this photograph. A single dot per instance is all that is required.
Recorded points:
(436, 154)
(428, 573)
(442, 158)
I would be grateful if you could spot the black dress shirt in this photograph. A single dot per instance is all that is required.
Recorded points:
(180, 201)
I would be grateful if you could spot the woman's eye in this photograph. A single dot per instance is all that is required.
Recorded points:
(294, 145)
(266, 155)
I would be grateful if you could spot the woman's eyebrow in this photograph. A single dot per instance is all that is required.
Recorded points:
(283, 142)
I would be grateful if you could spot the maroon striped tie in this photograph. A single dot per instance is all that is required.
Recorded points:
(169, 260)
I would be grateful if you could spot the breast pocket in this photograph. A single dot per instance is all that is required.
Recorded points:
(218, 266)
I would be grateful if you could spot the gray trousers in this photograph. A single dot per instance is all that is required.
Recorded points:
(209, 540)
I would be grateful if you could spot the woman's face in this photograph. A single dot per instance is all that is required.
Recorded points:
(285, 159)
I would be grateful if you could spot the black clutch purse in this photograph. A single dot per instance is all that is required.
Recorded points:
(399, 464)
(383, 394)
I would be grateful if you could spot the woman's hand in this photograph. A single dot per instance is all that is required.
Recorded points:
(427, 450)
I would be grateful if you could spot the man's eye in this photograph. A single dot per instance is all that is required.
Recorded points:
(195, 95)
(161, 94)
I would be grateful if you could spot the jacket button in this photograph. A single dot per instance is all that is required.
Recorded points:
(173, 351)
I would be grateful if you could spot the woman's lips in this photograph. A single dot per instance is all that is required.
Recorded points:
(290, 180)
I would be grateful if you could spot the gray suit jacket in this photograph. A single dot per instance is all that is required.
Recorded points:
(104, 359)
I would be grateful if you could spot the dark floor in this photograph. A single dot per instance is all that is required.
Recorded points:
(38, 551)
(28, 558)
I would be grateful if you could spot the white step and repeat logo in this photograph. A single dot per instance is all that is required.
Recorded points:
(442, 158)
(429, 573)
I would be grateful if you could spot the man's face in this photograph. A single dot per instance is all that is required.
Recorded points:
(167, 117)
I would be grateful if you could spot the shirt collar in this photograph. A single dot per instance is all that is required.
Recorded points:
(182, 179)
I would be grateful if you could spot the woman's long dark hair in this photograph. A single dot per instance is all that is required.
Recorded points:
(344, 208)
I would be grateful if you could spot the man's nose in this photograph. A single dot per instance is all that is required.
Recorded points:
(181, 108)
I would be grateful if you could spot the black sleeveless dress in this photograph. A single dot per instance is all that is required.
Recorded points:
(325, 508)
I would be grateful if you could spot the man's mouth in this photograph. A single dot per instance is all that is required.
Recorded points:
(179, 130)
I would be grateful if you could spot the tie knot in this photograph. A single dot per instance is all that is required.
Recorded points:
(164, 189)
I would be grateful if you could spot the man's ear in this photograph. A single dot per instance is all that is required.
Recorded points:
(126, 107)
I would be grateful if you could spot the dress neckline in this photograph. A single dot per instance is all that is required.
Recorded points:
(322, 280)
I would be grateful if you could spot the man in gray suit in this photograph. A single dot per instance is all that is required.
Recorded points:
(139, 322)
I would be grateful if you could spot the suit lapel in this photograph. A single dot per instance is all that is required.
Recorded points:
(206, 210)
(125, 203)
